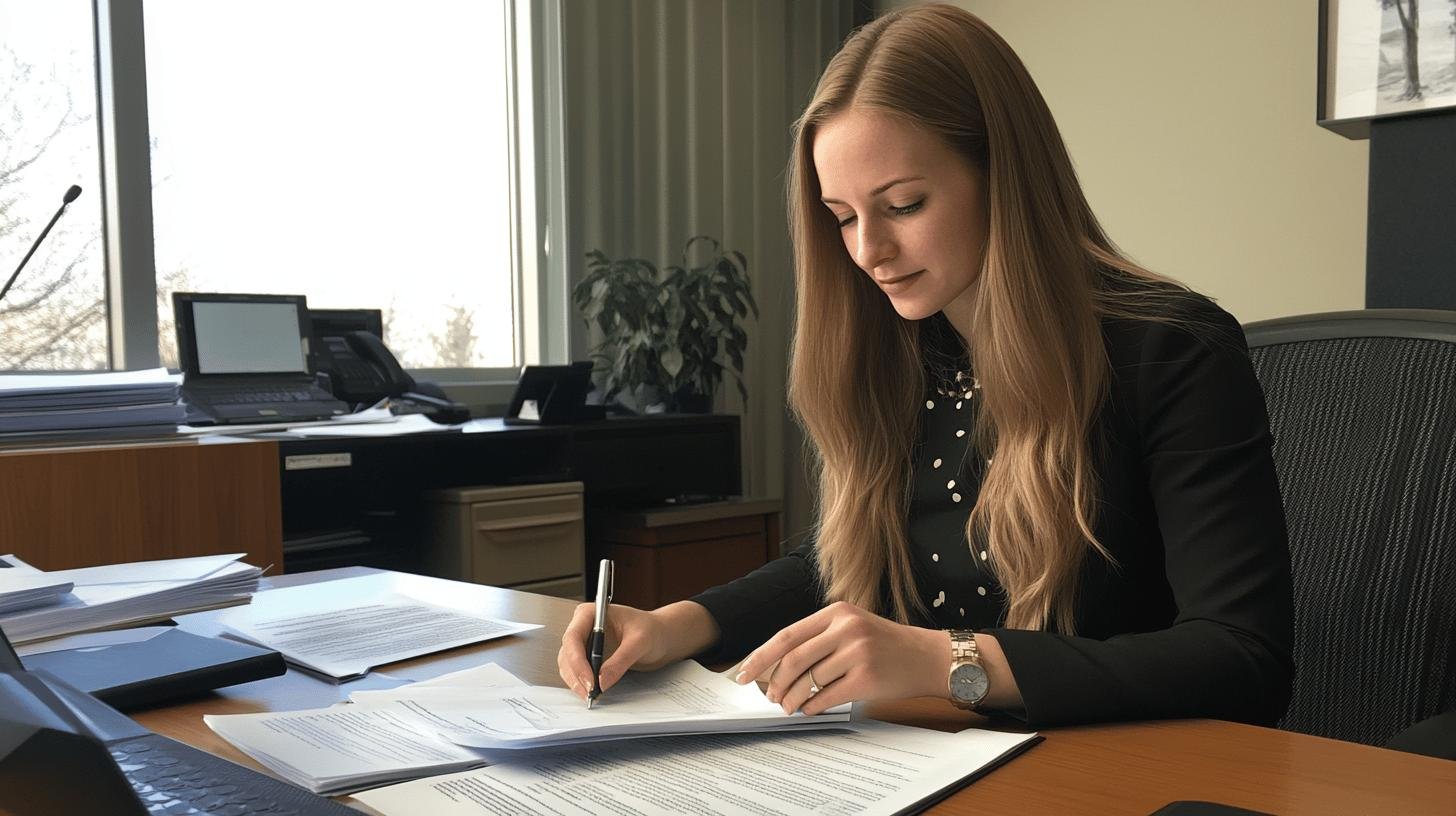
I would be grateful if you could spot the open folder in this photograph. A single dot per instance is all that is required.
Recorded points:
(869, 768)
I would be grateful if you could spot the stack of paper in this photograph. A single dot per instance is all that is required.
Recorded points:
(124, 594)
(135, 401)
(350, 747)
(448, 725)
(344, 638)
(870, 768)
(23, 586)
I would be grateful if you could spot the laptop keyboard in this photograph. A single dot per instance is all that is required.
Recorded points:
(168, 782)
(248, 397)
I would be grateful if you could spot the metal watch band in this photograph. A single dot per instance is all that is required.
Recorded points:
(963, 647)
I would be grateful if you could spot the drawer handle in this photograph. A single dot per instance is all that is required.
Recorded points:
(530, 521)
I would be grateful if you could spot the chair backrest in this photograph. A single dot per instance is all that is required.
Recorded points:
(1362, 407)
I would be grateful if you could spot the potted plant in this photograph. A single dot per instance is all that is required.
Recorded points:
(676, 330)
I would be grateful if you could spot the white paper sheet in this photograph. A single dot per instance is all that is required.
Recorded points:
(484, 676)
(345, 748)
(117, 595)
(876, 768)
(93, 640)
(44, 383)
(148, 572)
(348, 747)
(396, 426)
(344, 640)
(680, 699)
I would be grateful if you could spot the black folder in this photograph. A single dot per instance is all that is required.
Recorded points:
(171, 665)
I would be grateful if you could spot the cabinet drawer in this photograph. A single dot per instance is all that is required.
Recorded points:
(526, 540)
(569, 587)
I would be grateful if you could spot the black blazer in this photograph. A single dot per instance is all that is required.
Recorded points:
(1195, 618)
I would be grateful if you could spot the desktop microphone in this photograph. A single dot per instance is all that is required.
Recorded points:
(71, 195)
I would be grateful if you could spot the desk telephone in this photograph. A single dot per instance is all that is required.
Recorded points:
(362, 371)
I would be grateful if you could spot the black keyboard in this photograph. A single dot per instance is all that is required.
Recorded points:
(172, 778)
(237, 397)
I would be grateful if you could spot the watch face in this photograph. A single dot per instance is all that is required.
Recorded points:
(968, 683)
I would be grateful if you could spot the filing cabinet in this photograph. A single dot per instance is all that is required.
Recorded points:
(526, 537)
(668, 553)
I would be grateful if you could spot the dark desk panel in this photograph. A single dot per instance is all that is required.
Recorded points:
(358, 500)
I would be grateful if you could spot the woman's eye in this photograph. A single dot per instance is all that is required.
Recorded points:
(908, 208)
(905, 210)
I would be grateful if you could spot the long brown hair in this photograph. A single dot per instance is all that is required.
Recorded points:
(1049, 274)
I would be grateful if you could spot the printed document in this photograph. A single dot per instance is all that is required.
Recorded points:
(434, 727)
(684, 698)
(873, 768)
(346, 639)
(349, 747)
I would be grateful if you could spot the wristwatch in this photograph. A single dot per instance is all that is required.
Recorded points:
(968, 681)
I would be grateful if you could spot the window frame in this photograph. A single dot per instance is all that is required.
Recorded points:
(541, 302)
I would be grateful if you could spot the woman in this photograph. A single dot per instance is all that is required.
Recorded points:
(1045, 484)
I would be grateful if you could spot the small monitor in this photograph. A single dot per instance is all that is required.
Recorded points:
(552, 394)
(236, 334)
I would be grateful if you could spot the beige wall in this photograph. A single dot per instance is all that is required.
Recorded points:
(1192, 127)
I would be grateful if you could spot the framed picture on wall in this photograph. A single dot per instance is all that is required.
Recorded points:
(1380, 58)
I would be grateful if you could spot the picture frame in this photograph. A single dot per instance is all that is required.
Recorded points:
(1381, 59)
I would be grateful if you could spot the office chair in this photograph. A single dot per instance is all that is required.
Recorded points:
(1362, 408)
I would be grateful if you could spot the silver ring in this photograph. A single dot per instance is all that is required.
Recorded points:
(813, 686)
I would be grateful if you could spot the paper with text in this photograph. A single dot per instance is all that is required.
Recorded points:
(875, 768)
(343, 748)
(679, 699)
(348, 639)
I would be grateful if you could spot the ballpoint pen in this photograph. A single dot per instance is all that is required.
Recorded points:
(598, 643)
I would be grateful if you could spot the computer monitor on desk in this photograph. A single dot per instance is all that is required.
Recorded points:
(245, 358)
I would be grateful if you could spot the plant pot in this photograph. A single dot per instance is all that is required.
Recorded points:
(685, 401)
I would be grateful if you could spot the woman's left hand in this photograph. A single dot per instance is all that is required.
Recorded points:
(852, 655)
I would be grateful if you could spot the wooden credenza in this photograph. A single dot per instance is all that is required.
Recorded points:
(81, 505)
(667, 554)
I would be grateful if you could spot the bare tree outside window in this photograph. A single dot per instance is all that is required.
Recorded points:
(54, 318)
(455, 346)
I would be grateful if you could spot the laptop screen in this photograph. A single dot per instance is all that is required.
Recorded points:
(243, 334)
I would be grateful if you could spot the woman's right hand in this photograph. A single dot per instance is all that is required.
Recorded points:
(635, 640)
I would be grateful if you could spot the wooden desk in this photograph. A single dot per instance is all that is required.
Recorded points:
(1132, 768)
(105, 503)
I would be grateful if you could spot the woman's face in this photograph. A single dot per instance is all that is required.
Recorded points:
(911, 211)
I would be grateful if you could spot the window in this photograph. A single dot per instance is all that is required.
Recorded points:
(365, 153)
(54, 316)
(354, 151)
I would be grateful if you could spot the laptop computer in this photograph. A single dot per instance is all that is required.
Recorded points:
(64, 752)
(245, 358)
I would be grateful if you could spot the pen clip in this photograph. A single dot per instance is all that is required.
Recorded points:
(611, 581)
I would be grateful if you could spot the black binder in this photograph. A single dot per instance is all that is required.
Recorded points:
(171, 665)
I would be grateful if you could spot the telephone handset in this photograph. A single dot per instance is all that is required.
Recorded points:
(363, 371)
